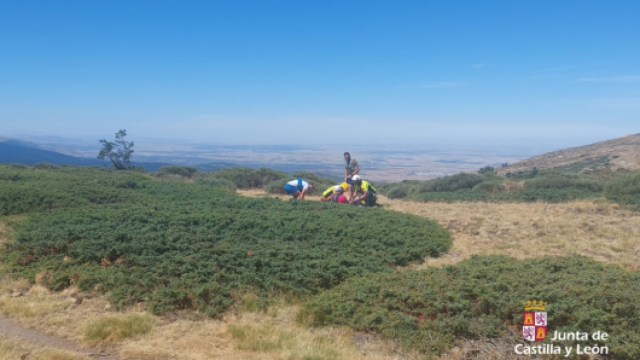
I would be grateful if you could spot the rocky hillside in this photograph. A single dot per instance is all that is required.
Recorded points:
(623, 152)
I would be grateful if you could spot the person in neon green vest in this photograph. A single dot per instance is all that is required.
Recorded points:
(365, 193)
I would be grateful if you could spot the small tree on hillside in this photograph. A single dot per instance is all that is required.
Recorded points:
(119, 152)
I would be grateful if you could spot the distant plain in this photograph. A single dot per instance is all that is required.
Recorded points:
(378, 163)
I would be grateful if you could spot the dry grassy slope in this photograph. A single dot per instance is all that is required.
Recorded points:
(623, 152)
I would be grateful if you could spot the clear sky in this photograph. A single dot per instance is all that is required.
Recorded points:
(322, 72)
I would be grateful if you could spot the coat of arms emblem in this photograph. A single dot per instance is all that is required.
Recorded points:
(534, 323)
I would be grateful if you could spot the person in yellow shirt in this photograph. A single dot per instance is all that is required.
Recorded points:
(365, 193)
(326, 195)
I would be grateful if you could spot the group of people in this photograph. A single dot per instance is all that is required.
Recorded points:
(353, 190)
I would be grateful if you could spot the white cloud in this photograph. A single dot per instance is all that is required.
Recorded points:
(617, 79)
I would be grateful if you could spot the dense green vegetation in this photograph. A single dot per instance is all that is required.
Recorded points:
(590, 178)
(624, 188)
(179, 245)
(480, 297)
(169, 170)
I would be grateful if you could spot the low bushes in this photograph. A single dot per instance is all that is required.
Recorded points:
(189, 245)
(206, 179)
(624, 188)
(548, 185)
(184, 171)
(449, 183)
(246, 178)
(563, 181)
(481, 297)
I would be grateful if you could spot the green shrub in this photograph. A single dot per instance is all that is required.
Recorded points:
(404, 186)
(523, 175)
(563, 181)
(397, 192)
(490, 186)
(478, 298)
(449, 183)
(487, 170)
(247, 178)
(44, 166)
(624, 188)
(184, 171)
(277, 187)
(64, 187)
(205, 179)
(16, 166)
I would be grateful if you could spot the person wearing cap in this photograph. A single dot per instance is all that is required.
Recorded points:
(351, 168)
(298, 188)
(338, 196)
(365, 192)
(327, 193)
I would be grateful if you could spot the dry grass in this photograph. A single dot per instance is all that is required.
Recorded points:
(59, 314)
(118, 327)
(598, 230)
(273, 334)
(13, 349)
(258, 193)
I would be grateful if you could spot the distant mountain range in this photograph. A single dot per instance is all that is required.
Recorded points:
(23, 152)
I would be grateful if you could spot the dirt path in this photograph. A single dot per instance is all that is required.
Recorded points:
(11, 330)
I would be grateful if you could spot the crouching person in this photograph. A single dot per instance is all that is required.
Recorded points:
(338, 195)
(326, 195)
(297, 188)
(365, 193)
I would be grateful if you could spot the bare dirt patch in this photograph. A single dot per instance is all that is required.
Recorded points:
(19, 342)
(15, 349)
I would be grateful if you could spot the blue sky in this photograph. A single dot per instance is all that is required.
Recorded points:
(322, 72)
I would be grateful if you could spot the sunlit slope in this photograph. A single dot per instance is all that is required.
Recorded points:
(612, 154)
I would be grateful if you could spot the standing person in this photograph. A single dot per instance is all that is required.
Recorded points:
(351, 168)
(298, 188)
(365, 191)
